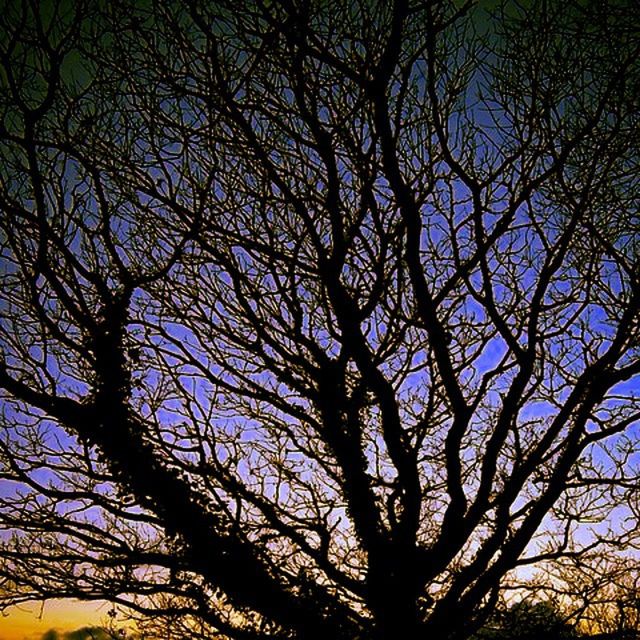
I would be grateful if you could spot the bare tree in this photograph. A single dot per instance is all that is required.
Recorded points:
(319, 319)
(596, 593)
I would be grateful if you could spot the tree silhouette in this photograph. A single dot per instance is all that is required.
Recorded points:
(528, 621)
(84, 633)
(318, 319)
(600, 592)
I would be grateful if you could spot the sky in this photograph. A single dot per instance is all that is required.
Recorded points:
(32, 621)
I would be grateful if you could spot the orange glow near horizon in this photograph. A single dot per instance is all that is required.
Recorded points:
(30, 621)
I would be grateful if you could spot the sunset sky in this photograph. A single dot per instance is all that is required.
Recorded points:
(30, 622)
(319, 319)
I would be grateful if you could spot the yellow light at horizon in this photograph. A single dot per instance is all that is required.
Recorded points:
(30, 620)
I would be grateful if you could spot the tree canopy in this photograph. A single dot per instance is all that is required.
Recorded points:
(318, 319)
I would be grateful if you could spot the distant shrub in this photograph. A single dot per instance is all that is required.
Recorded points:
(528, 620)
